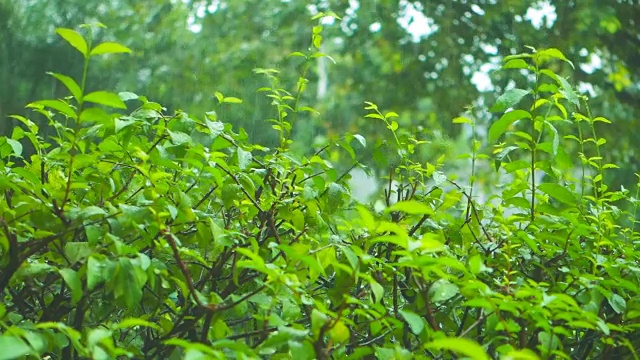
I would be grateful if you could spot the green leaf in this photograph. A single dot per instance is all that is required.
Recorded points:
(509, 99)
(109, 48)
(94, 114)
(216, 127)
(556, 138)
(58, 105)
(97, 272)
(193, 354)
(95, 336)
(462, 120)
(361, 140)
(244, 159)
(74, 39)
(461, 346)
(442, 290)
(515, 64)
(232, 100)
(476, 264)
(16, 146)
(317, 41)
(121, 123)
(500, 127)
(191, 346)
(72, 279)
(126, 96)
(105, 98)
(179, 138)
(524, 354)
(412, 207)
(76, 251)
(439, 178)
(134, 322)
(559, 192)
(339, 333)
(13, 348)
(318, 319)
(374, 116)
(542, 56)
(548, 341)
(617, 302)
(301, 350)
(415, 321)
(567, 91)
(377, 290)
(70, 84)
(297, 219)
(128, 282)
(92, 211)
(367, 219)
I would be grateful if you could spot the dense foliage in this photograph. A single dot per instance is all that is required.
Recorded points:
(138, 233)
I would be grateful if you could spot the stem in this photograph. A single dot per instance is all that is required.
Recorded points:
(533, 150)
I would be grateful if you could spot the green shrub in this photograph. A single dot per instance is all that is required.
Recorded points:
(137, 234)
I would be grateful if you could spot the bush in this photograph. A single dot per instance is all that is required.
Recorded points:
(138, 234)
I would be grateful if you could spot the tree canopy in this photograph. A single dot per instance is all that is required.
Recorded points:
(426, 58)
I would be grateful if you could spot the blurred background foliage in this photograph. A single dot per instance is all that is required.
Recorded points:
(426, 60)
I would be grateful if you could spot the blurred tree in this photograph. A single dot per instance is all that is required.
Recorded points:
(423, 59)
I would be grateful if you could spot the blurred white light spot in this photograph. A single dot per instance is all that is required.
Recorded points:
(482, 81)
(541, 12)
(415, 22)
(477, 9)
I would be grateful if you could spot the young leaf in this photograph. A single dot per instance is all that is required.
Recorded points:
(58, 105)
(232, 100)
(74, 39)
(70, 84)
(515, 64)
(105, 98)
(544, 55)
(109, 48)
(462, 120)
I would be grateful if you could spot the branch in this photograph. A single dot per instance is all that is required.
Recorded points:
(166, 233)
